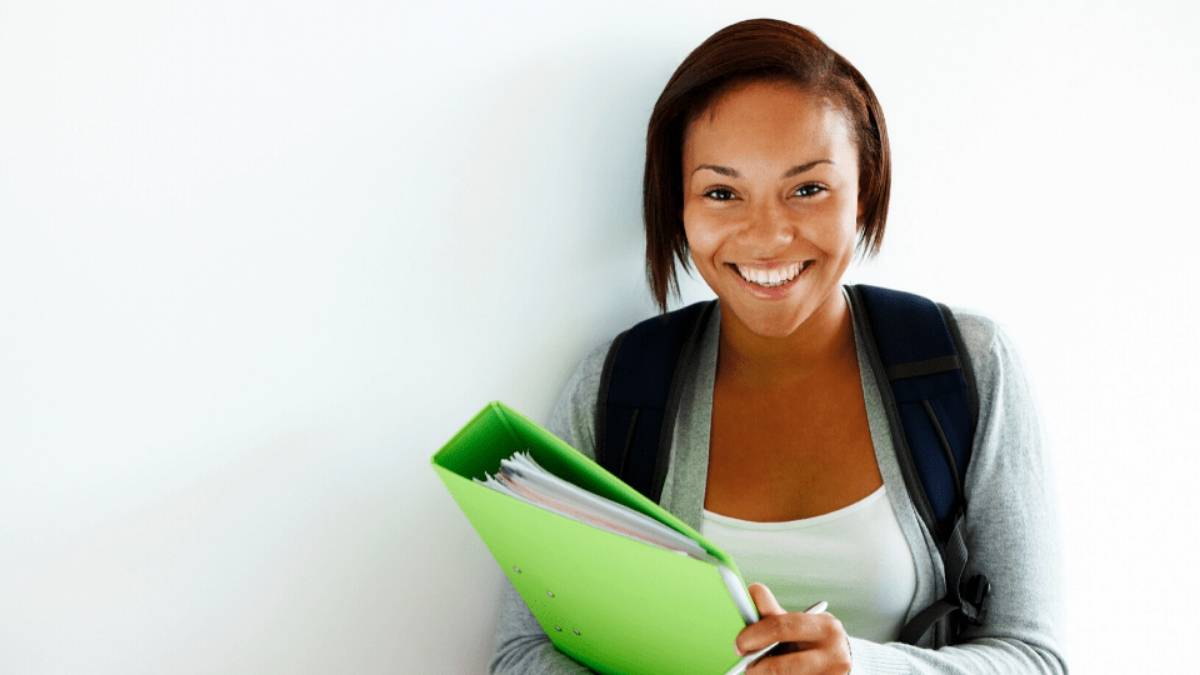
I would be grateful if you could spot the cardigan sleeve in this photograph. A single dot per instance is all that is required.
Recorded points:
(521, 646)
(1012, 532)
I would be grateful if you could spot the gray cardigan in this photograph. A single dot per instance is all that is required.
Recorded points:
(1011, 525)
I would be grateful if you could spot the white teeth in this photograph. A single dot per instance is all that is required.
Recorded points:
(769, 278)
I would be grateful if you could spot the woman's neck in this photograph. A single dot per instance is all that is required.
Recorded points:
(820, 343)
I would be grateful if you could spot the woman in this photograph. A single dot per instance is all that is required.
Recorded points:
(767, 164)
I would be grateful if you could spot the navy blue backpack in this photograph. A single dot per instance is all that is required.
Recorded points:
(929, 394)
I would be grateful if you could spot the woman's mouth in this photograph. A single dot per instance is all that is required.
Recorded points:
(770, 292)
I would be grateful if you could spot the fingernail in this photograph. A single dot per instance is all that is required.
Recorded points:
(737, 650)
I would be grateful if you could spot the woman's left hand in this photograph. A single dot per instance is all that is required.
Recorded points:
(816, 644)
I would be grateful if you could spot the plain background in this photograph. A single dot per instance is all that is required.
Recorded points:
(260, 260)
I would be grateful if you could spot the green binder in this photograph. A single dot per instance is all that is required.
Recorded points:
(613, 603)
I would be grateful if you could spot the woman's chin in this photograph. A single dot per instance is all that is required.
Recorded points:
(768, 322)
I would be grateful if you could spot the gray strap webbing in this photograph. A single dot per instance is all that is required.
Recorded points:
(954, 557)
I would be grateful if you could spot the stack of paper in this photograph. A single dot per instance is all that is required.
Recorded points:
(525, 479)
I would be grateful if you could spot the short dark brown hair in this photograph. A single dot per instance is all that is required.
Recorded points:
(754, 50)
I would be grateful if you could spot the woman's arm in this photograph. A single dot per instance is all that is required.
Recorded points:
(1011, 532)
(521, 644)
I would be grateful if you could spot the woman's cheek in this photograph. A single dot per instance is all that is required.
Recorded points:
(703, 230)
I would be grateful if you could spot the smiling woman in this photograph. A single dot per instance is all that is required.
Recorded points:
(747, 222)
(767, 167)
(842, 128)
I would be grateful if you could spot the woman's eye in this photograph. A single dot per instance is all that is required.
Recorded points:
(816, 188)
(716, 190)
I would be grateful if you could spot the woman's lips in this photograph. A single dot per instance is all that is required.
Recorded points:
(772, 293)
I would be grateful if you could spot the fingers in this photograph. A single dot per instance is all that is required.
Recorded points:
(765, 600)
(809, 643)
(788, 627)
(807, 661)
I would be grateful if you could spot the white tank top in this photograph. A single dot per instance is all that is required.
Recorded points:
(856, 558)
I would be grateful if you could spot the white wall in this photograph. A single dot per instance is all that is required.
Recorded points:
(259, 260)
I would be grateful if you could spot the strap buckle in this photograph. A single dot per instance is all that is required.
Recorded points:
(974, 599)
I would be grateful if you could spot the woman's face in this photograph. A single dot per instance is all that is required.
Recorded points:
(770, 184)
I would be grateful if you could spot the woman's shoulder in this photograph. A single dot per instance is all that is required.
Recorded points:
(989, 345)
(575, 411)
(977, 328)
(1005, 394)
(573, 418)
(584, 381)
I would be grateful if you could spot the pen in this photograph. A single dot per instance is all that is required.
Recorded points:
(746, 660)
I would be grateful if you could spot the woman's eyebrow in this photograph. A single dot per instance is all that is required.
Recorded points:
(732, 173)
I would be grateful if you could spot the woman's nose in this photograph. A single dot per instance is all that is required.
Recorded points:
(769, 225)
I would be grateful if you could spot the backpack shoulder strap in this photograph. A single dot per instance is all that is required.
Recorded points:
(928, 391)
(639, 395)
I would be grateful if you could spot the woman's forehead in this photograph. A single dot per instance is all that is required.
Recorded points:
(769, 142)
(768, 116)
